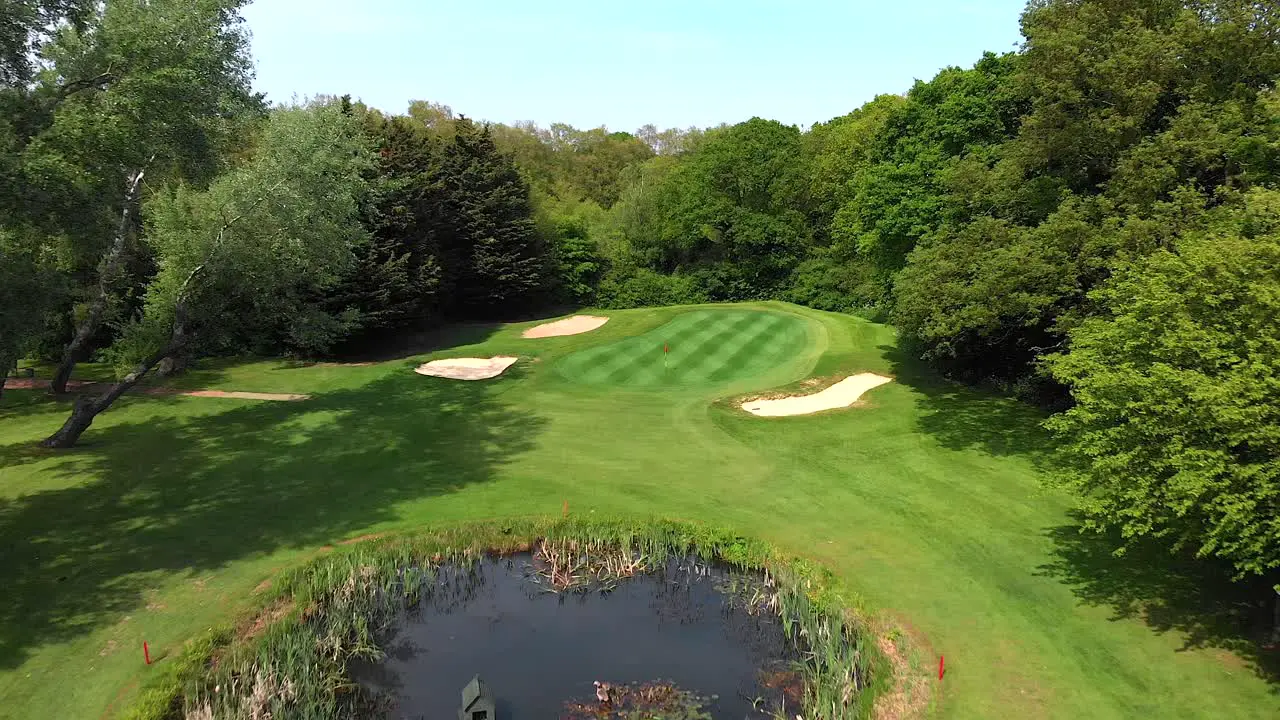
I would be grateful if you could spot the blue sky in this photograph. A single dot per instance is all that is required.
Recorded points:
(621, 65)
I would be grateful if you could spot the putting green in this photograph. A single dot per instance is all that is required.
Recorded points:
(701, 347)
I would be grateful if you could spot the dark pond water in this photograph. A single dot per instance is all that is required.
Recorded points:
(536, 650)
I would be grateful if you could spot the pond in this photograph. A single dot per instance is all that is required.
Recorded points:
(684, 635)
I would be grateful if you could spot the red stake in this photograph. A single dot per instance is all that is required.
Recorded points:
(146, 652)
(665, 348)
(941, 659)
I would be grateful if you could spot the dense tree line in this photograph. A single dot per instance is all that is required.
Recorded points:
(1089, 222)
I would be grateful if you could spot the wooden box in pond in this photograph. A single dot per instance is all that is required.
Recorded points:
(477, 704)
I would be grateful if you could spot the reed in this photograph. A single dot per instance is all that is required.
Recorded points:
(289, 658)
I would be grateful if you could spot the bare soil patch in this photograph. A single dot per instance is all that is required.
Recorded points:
(362, 538)
(264, 619)
(245, 395)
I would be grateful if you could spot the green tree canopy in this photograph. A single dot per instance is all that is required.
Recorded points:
(245, 255)
(492, 259)
(132, 93)
(1175, 433)
(734, 209)
(901, 194)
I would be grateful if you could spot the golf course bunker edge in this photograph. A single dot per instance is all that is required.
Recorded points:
(575, 325)
(467, 368)
(841, 395)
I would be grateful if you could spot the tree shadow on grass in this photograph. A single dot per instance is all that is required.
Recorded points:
(403, 344)
(1168, 593)
(19, 403)
(173, 494)
(1190, 596)
(960, 417)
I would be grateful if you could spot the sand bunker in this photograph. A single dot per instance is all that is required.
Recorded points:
(842, 394)
(569, 326)
(238, 395)
(467, 368)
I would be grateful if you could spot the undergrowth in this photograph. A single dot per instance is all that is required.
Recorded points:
(288, 659)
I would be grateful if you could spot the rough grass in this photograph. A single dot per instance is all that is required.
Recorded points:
(925, 500)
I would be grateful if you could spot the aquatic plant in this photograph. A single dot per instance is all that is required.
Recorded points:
(660, 700)
(569, 564)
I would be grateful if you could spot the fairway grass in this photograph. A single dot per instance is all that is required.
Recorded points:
(925, 501)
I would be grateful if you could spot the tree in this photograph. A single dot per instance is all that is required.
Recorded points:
(264, 236)
(538, 162)
(901, 194)
(598, 160)
(839, 149)
(27, 26)
(491, 257)
(732, 211)
(436, 118)
(1104, 74)
(394, 281)
(136, 90)
(25, 285)
(572, 164)
(981, 300)
(1117, 123)
(1175, 434)
(637, 214)
(577, 260)
(672, 141)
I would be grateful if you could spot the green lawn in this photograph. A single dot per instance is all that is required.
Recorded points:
(925, 499)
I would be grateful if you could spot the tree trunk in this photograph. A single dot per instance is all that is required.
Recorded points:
(75, 350)
(7, 363)
(1275, 623)
(86, 409)
(110, 266)
(173, 365)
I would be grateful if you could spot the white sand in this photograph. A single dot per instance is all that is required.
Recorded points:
(246, 395)
(467, 368)
(842, 394)
(575, 325)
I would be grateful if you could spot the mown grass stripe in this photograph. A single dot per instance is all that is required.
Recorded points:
(581, 362)
(631, 352)
(690, 365)
(640, 364)
(740, 345)
(706, 345)
(643, 363)
(768, 354)
(656, 370)
(746, 357)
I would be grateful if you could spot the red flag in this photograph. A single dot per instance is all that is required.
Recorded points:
(665, 349)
